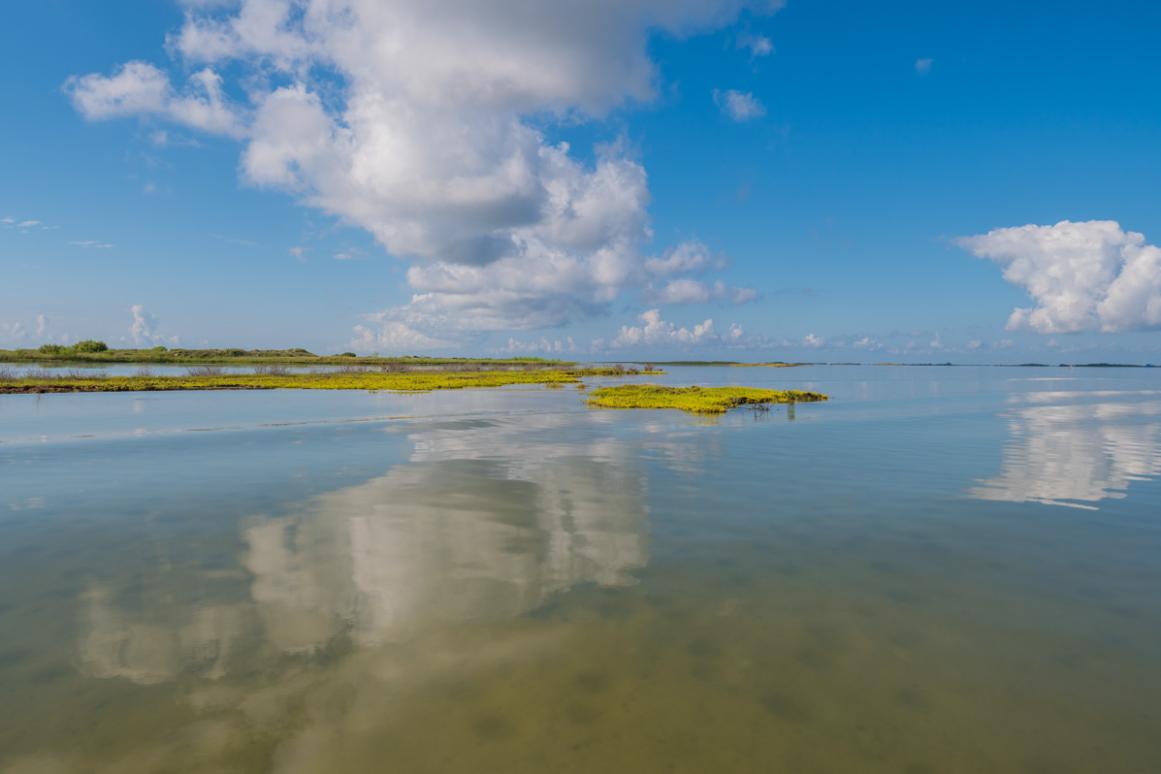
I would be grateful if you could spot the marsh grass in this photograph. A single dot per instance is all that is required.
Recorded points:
(214, 378)
(77, 373)
(696, 400)
(90, 351)
(772, 364)
(272, 370)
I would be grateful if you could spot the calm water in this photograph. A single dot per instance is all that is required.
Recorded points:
(942, 570)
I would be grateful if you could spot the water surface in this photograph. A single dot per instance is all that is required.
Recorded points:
(942, 570)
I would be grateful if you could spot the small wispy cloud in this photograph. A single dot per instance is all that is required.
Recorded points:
(757, 45)
(162, 138)
(690, 291)
(923, 65)
(689, 256)
(740, 106)
(236, 241)
(24, 224)
(542, 345)
(91, 244)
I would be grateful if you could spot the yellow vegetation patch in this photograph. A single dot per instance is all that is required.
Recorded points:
(697, 400)
(413, 381)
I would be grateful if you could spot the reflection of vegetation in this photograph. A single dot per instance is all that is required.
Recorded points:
(209, 378)
(98, 352)
(698, 400)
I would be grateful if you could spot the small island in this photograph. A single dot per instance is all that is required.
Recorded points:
(696, 400)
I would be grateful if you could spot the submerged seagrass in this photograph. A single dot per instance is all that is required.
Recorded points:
(416, 381)
(698, 400)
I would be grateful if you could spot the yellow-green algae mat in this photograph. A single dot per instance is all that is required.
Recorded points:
(415, 381)
(697, 400)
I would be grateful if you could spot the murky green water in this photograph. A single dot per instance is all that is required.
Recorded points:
(943, 570)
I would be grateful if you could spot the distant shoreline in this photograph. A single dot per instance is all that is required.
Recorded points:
(780, 364)
(88, 353)
(96, 353)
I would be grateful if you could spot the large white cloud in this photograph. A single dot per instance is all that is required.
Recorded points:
(421, 121)
(1091, 275)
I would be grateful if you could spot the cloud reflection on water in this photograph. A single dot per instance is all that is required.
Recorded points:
(487, 520)
(1077, 454)
(480, 524)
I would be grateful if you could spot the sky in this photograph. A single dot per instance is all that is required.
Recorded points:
(816, 180)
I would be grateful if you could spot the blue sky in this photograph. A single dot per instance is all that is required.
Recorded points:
(826, 180)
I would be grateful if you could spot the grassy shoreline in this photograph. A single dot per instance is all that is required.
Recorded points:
(91, 353)
(254, 357)
(412, 381)
(696, 400)
(771, 364)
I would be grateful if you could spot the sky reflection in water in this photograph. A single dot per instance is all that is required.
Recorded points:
(505, 580)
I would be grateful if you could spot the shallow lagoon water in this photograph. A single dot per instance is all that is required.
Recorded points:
(941, 570)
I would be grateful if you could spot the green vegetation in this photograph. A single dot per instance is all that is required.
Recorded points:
(697, 400)
(772, 364)
(272, 378)
(98, 352)
(732, 363)
(694, 362)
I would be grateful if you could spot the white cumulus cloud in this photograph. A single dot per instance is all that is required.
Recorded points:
(1083, 276)
(653, 330)
(139, 88)
(393, 337)
(423, 123)
(143, 330)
